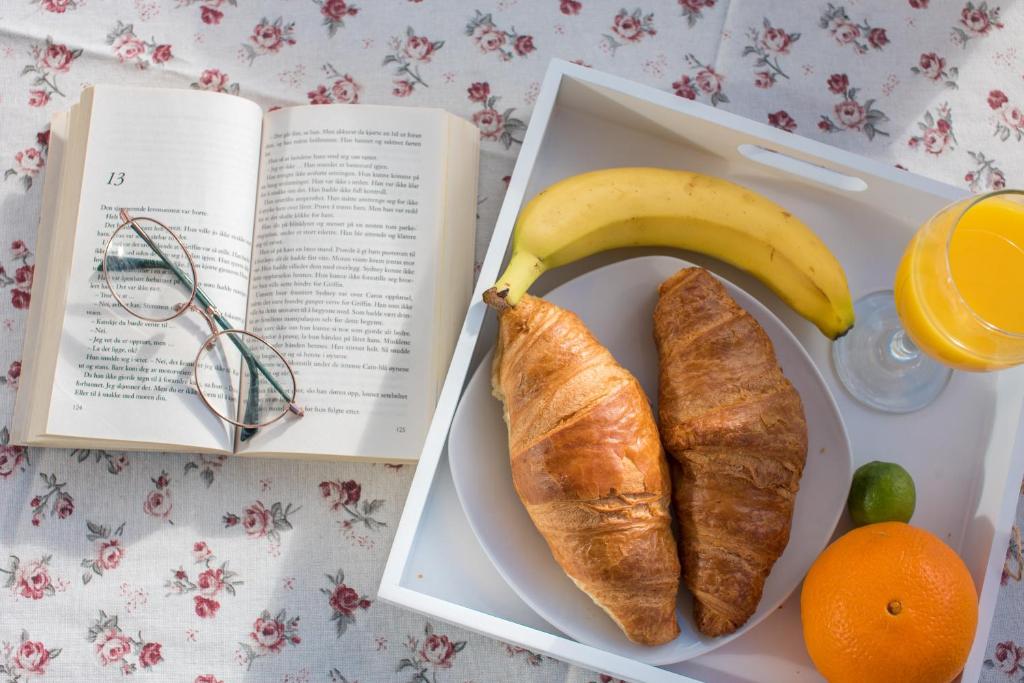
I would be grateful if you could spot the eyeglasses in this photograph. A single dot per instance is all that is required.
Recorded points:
(227, 368)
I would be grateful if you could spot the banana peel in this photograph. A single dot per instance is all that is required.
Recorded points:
(655, 207)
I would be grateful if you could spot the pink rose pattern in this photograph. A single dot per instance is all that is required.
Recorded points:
(693, 10)
(570, 7)
(334, 13)
(494, 125)
(340, 88)
(215, 80)
(702, 81)
(28, 162)
(976, 21)
(57, 6)
(108, 550)
(933, 67)
(201, 552)
(26, 658)
(158, 501)
(861, 36)
(268, 37)
(13, 459)
(210, 11)
(129, 48)
(768, 43)
(435, 651)
(936, 136)
(118, 649)
(984, 175)
(782, 120)
(629, 27)
(344, 601)
(259, 521)
(488, 38)
(531, 658)
(48, 60)
(849, 113)
(1007, 659)
(30, 580)
(212, 581)
(13, 376)
(54, 501)
(1009, 116)
(408, 54)
(269, 635)
(519, 44)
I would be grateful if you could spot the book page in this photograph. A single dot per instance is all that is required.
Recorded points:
(33, 378)
(344, 277)
(190, 160)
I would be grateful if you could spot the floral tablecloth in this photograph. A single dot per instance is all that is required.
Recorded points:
(205, 569)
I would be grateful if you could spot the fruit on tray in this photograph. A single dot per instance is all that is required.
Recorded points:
(624, 207)
(588, 465)
(735, 428)
(889, 603)
(881, 492)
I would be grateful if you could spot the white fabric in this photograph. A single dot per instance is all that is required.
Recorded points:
(932, 86)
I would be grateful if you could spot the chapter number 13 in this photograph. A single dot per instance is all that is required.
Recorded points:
(116, 178)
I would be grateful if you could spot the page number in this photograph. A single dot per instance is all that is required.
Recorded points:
(116, 178)
(400, 429)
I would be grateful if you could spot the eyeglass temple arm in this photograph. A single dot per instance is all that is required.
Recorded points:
(211, 309)
(252, 406)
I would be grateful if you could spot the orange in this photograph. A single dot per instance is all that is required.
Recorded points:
(889, 603)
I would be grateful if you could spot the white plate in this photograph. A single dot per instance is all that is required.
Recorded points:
(616, 302)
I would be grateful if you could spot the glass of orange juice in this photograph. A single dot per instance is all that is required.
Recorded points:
(958, 303)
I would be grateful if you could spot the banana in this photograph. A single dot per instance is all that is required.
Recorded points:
(633, 207)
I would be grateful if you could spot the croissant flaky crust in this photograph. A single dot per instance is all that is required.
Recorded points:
(588, 465)
(735, 427)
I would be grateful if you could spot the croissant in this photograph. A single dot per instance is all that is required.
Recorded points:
(735, 427)
(588, 465)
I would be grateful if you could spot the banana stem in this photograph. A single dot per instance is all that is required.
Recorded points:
(496, 300)
(522, 271)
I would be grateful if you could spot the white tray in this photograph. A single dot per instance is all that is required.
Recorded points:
(966, 451)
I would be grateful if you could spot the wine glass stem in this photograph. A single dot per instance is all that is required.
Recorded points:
(902, 347)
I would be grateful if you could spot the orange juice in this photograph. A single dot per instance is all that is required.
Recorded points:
(960, 285)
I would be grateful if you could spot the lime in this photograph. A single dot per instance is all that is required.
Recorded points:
(881, 492)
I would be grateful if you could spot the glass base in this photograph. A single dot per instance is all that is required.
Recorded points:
(880, 366)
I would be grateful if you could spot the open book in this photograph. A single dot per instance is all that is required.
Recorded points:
(343, 235)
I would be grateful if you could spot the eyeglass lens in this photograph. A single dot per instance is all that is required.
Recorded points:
(229, 376)
(142, 282)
